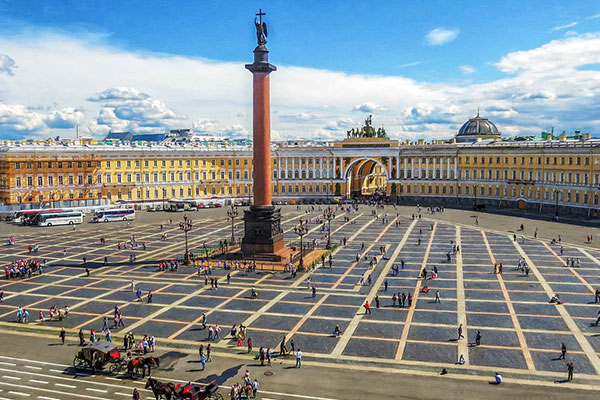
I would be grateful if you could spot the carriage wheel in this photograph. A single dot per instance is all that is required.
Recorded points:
(216, 396)
(115, 369)
(79, 363)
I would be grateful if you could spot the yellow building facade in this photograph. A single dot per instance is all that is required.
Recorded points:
(535, 174)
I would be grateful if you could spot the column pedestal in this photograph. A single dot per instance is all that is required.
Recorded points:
(262, 234)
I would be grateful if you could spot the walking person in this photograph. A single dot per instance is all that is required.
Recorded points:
(437, 297)
(367, 307)
(563, 351)
(149, 296)
(570, 371)
(460, 332)
(62, 335)
(203, 361)
(249, 345)
(81, 339)
(298, 359)
(478, 338)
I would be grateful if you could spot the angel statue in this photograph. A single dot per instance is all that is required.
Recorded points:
(261, 31)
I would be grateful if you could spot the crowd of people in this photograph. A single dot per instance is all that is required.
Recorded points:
(22, 268)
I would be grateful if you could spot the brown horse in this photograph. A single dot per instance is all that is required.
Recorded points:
(142, 363)
(160, 389)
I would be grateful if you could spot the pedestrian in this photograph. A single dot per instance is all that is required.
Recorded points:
(203, 361)
(261, 356)
(570, 371)
(208, 351)
(249, 345)
(139, 294)
(81, 339)
(460, 332)
(478, 338)
(268, 354)
(108, 337)
(314, 292)
(149, 296)
(367, 307)
(203, 321)
(87, 271)
(437, 296)
(298, 359)
(136, 395)
(563, 351)
(385, 285)
(377, 301)
(62, 335)
(201, 350)
(255, 388)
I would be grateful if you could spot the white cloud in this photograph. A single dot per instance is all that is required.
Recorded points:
(207, 126)
(467, 69)
(440, 36)
(369, 107)
(110, 88)
(565, 26)
(6, 64)
(410, 64)
(64, 119)
(126, 108)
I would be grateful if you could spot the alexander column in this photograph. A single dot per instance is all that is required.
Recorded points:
(262, 236)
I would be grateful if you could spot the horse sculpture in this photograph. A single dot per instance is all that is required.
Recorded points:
(142, 363)
(160, 389)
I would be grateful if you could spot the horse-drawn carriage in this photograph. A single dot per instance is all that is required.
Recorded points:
(189, 391)
(96, 355)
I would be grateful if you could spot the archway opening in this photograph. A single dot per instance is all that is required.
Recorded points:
(366, 178)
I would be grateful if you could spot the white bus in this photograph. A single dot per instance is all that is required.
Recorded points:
(19, 217)
(120, 214)
(59, 218)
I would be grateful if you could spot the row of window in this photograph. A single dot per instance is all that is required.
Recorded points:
(531, 160)
(498, 192)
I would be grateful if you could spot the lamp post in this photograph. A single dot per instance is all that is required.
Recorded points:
(329, 214)
(301, 229)
(232, 214)
(556, 192)
(186, 226)
(164, 190)
(475, 193)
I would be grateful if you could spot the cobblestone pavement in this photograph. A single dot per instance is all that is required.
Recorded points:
(521, 331)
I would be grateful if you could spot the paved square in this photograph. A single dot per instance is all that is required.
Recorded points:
(520, 330)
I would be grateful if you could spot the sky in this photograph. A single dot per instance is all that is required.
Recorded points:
(420, 68)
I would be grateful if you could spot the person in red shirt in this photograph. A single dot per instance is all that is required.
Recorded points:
(367, 307)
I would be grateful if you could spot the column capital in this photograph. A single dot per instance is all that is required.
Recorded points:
(261, 61)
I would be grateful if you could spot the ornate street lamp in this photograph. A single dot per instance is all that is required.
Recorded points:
(556, 193)
(301, 229)
(329, 214)
(186, 226)
(232, 214)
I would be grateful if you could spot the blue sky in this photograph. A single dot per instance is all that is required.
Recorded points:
(412, 64)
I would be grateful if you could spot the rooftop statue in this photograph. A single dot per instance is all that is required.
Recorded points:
(367, 131)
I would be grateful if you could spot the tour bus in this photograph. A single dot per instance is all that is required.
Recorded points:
(117, 214)
(182, 205)
(19, 216)
(59, 218)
